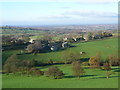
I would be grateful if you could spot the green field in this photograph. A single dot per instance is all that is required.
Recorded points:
(56, 38)
(91, 79)
(105, 47)
(36, 37)
(18, 31)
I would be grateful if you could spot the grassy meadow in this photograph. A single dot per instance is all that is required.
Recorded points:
(91, 79)
(104, 47)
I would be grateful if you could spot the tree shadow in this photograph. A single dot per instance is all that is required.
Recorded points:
(71, 46)
(116, 69)
(98, 77)
(25, 53)
(114, 76)
(86, 67)
(43, 67)
(71, 76)
(88, 75)
(92, 76)
(84, 59)
(104, 77)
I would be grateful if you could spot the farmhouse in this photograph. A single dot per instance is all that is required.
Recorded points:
(75, 39)
(58, 45)
(32, 40)
(96, 36)
(55, 46)
(81, 53)
(65, 45)
(65, 39)
(85, 37)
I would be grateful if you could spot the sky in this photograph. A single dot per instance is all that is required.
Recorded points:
(58, 12)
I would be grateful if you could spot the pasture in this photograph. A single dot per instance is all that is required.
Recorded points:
(104, 47)
(91, 79)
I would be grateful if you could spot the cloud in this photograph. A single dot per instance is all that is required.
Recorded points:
(76, 14)
(85, 13)
(56, 17)
(96, 1)
(81, 1)
(65, 7)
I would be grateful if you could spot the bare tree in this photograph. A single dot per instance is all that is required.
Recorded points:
(77, 69)
(107, 68)
(113, 59)
(70, 56)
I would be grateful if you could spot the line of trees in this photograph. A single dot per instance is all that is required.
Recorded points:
(99, 35)
(12, 40)
(26, 67)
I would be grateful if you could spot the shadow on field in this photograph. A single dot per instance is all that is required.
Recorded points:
(116, 69)
(80, 76)
(69, 76)
(49, 65)
(24, 53)
(104, 77)
(84, 59)
(88, 75)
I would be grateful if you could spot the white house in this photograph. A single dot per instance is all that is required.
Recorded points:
(32, 40)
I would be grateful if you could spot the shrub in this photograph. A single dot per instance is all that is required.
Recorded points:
(106, 66)
(35, 71)
(24, 70)
(54, 72)
(113, 60)
(95, 61)
(50, 61)
(11, 64)
(85, 63)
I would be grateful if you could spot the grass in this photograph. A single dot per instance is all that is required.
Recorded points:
(105, 47)
(36, 37)
(19, 32)
(8, 53)
(91, 79)
(0, 81)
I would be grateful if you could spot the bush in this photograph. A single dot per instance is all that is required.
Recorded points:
(113, 60)
(54, 72)
(35, 71)
(24, 70)
(50, 62)
(11, 65)
(85, 64)
(106, 66)
(95, 61)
